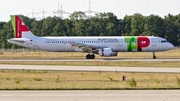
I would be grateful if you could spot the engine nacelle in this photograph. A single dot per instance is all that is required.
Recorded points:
(107, 52)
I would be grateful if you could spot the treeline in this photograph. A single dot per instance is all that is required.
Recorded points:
(102, 24)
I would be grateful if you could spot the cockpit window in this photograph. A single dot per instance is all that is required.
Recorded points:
(164, 41)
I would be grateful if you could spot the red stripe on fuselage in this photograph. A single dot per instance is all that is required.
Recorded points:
(19, 27)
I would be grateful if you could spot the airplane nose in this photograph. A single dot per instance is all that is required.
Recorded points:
(170, 46)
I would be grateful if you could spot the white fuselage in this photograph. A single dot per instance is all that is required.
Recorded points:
(117, 44)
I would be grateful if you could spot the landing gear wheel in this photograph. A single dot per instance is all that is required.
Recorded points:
(154, 56)
(92, 56)
(88, 56)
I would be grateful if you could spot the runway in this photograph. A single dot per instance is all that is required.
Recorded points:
(83, 60)
(92, 95)
(93, 68)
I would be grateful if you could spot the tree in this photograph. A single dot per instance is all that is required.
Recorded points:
(154, 25)
(137, 24)
(1, 25)
(126, 23)
(172, 30)
(77, 15)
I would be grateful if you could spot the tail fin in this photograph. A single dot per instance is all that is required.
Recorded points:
(20, 29)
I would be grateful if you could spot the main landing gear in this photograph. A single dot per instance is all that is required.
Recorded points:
(154, 56)
(90, 56)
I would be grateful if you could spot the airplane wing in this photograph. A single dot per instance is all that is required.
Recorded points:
(86, 47)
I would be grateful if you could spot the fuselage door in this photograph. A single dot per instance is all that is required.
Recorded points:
(120, 42)
(153, 40)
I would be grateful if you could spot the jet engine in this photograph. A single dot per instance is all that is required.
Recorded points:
(107, 52)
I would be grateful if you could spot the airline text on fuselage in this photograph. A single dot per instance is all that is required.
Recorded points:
(107, 40)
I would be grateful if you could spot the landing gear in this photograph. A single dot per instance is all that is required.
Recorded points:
(92, 56)
(154, 56)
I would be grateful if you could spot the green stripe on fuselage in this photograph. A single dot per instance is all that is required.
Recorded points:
(13, 19)
(132, 43)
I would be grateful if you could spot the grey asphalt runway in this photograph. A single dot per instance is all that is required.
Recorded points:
(93, 68)
(76, 60)
(91, 95)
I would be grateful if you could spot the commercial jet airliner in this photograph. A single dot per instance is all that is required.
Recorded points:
(104, 46)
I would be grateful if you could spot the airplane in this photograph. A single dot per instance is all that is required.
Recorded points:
(105, 46)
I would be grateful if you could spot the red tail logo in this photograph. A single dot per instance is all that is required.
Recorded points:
(20, 27)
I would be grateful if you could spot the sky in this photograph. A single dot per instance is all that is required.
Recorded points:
(119, 7)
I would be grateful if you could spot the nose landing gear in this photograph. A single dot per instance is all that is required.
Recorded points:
(154, 56)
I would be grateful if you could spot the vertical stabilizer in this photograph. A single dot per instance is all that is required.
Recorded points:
(20, 29)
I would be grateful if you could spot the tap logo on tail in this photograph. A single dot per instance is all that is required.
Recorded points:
(18, 26)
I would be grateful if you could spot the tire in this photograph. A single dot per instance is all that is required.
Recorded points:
(93, 56)
(88, 56)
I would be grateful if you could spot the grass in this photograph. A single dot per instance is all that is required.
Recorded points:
(17, 81)
(89, 80)
(175, 53)
(157, 81)
(58, 79)
(35, 79)
(178, 81)
(132, 83)
(7, 79)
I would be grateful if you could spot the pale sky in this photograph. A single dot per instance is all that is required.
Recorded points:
(119, 7)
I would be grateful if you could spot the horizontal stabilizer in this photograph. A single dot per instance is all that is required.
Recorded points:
(21, 40)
